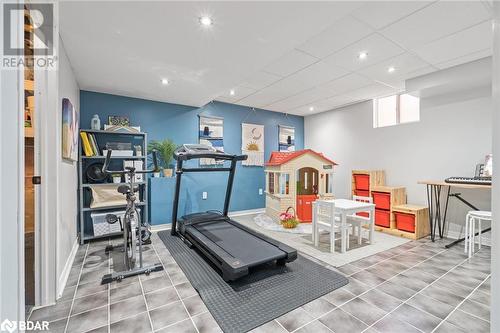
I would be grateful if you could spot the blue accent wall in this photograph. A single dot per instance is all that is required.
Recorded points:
(180, 123)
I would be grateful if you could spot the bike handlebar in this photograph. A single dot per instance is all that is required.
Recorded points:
(122, 172)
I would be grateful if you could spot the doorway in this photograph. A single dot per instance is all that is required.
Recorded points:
(31, 152)
(307, 192)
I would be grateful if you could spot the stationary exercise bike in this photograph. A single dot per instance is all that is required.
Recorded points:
(135, 233)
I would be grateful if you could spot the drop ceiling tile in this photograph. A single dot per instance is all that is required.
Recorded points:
(436, 21)
(379, 14)
(403, 64)
(329, 89)
(260, 80)
(376, 46)
(278, 91)
(332, 103)
(466, 58)
(303, 80)
(292, 62)
(304, 98)
(346, 83)
(474, 39)
(371, 91)
(239, 93)
(340, 34)
(318, 74)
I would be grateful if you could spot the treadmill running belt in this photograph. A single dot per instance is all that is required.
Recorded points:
(239, 243)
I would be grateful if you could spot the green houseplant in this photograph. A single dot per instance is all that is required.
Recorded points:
(164, 150)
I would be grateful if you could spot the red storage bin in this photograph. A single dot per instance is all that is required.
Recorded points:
(382, 200)
(405, 222)
(362, 193)
(362, 182)
(382, 218)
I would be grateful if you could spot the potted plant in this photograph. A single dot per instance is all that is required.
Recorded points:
(165, 151)
(288, 220)
(117, 178)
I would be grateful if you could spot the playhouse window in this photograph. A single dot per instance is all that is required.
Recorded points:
(329, 183)
(284, 183)
(270, 182)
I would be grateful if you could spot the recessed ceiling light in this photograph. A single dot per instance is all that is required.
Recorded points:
(391, 69)
(206, 21)
(311, 108)
(362, 55)
(164, 81)
(231, 92)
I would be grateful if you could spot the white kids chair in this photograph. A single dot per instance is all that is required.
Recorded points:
(358, 221)
(324, 218)
(473, 217)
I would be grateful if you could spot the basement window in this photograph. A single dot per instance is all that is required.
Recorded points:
(395, 110)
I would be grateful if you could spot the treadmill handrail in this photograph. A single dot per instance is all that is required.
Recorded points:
(181, 154)
(184, 153)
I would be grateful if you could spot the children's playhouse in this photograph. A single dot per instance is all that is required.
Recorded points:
(296, 179)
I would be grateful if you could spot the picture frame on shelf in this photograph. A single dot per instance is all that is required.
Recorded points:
(119, 121)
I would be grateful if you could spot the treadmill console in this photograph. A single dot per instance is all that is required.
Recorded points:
(196, 149)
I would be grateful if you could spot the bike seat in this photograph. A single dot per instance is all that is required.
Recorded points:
(124, 189)
(130, 169)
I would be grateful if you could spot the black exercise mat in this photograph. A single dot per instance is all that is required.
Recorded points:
(264, 295)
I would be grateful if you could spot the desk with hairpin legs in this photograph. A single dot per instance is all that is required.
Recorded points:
(437, 216)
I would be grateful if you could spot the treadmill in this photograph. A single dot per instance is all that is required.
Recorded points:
(233, 248)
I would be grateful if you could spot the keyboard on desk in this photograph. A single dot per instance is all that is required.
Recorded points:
(469, 180)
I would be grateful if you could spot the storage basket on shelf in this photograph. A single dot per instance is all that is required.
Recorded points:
(101, 227)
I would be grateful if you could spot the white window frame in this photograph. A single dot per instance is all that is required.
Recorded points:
(282, 183)
(329, 177)
(398, 112)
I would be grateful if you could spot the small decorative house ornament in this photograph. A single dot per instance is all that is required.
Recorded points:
(296, 179)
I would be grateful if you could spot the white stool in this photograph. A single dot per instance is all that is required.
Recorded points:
(472, 217)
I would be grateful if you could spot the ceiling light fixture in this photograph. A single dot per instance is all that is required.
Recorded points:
(231, 92)
(391, 69)
(311, 108)
(206, 21)
(164, 81)
(362, 55)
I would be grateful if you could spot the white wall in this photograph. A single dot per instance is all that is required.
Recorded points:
(453, 135)
(11, 189)
(67, 174)
(495, 238)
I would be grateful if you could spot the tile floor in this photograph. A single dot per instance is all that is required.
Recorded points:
(304, 243)
(415, 287)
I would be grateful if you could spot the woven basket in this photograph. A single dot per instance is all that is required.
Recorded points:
(293, 223)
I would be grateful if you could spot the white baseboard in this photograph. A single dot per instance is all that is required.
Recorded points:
(160, 227)
(485, 239)
(247, 212)
(61, 283)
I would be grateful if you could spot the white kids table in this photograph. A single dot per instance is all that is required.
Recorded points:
(343, 208)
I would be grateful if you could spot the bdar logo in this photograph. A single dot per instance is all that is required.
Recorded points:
(8, 325)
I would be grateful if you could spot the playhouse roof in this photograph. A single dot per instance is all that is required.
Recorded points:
(281, 157)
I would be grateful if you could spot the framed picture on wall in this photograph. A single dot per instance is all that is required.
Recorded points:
(70, 128)
(211, 133)
(286, 138)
